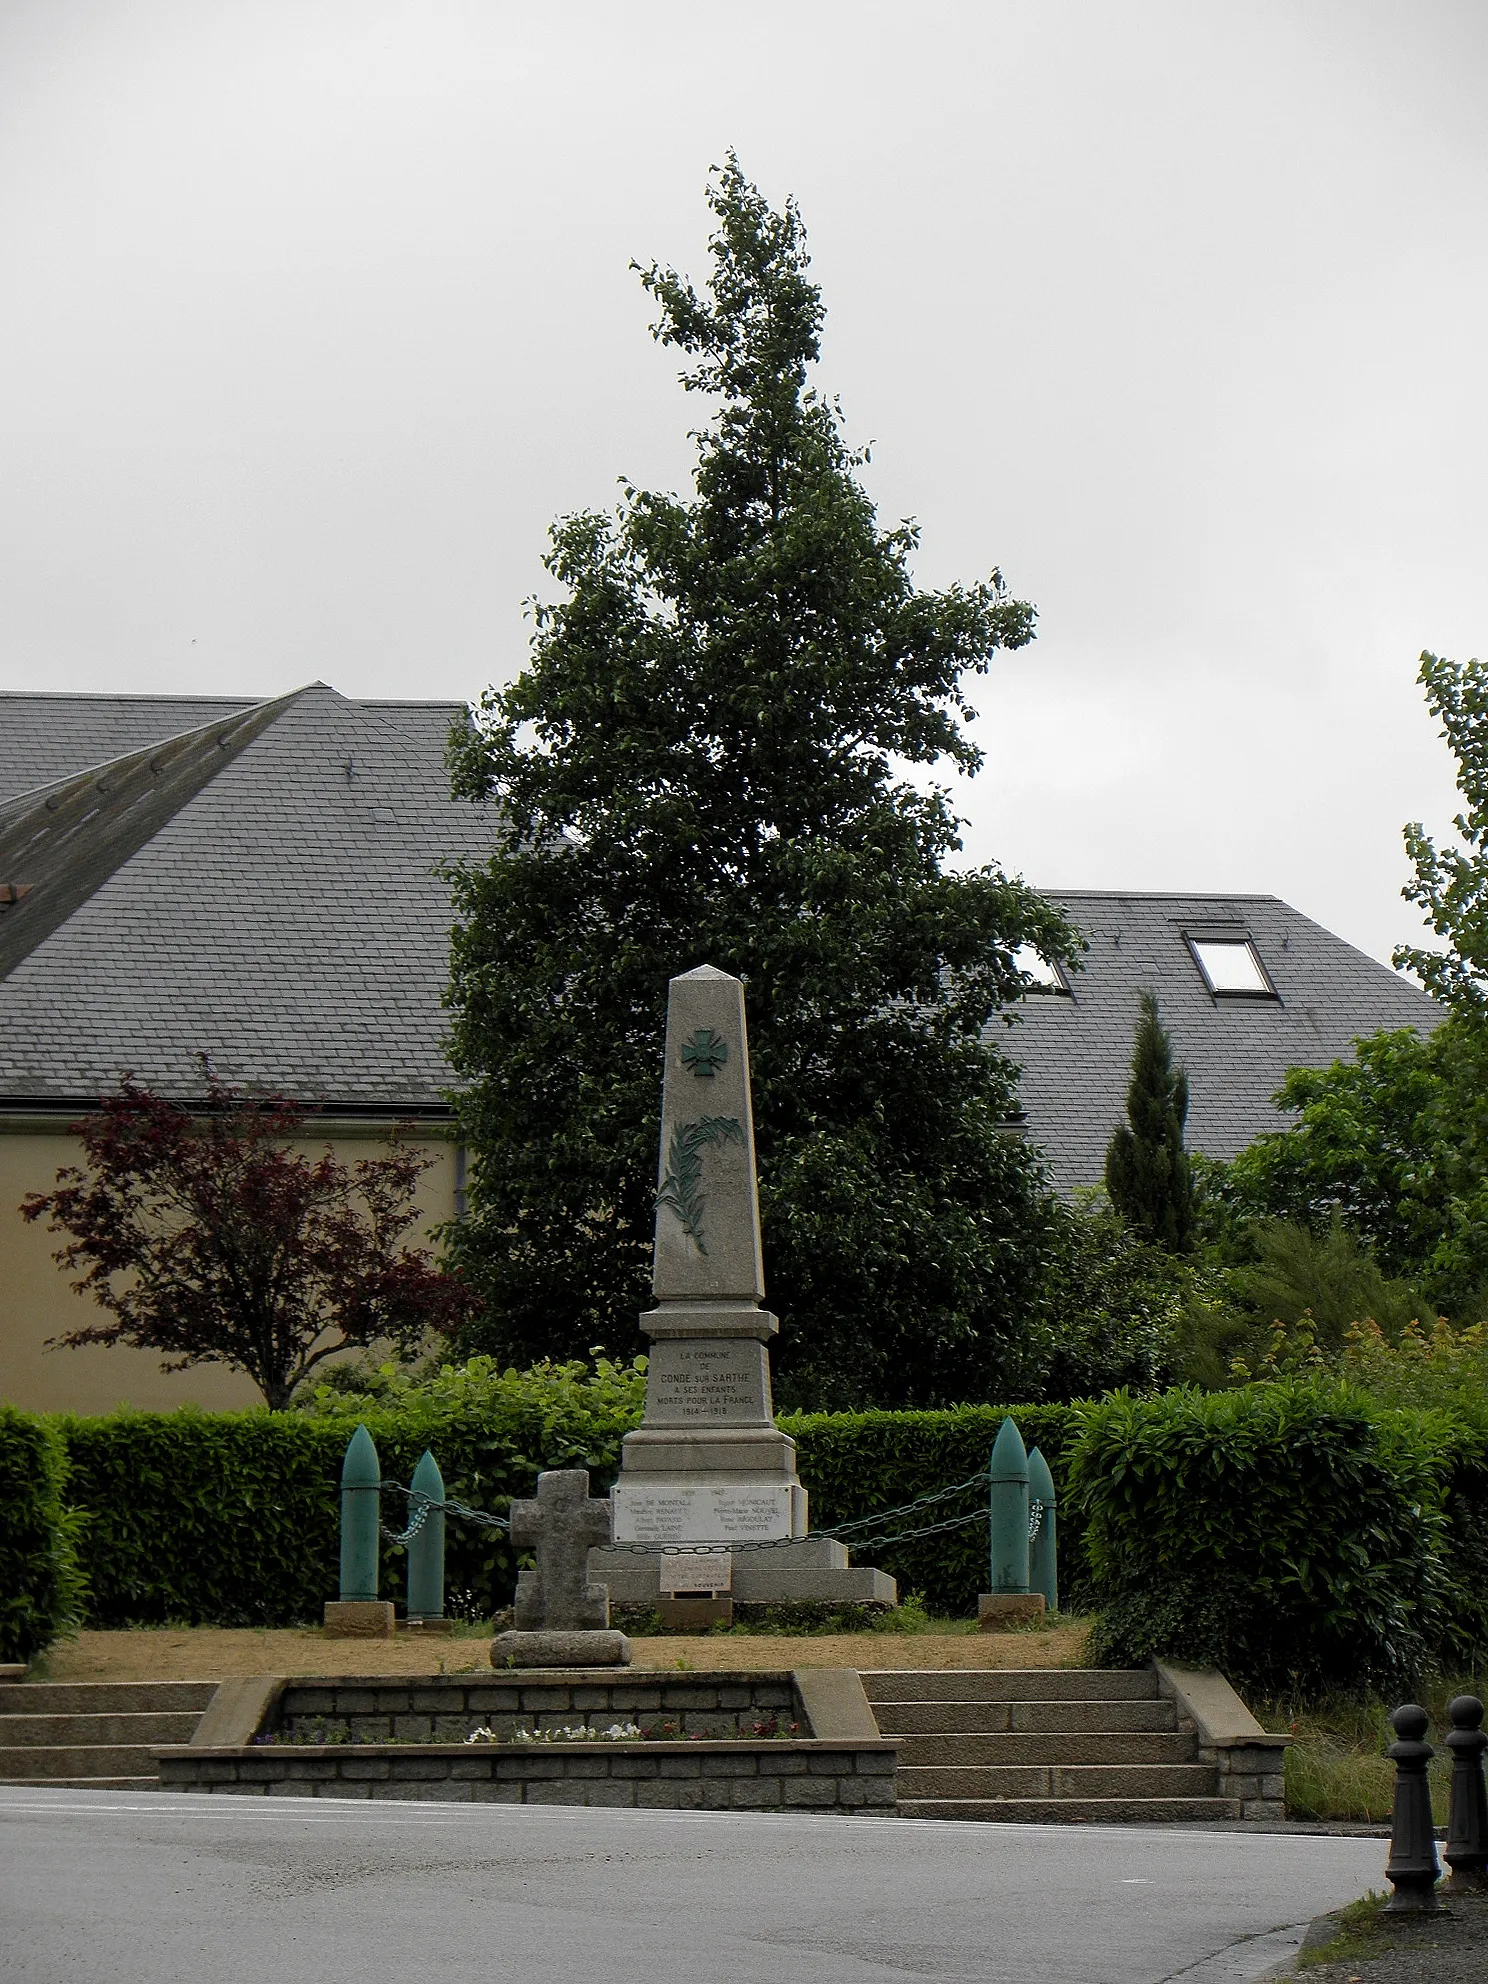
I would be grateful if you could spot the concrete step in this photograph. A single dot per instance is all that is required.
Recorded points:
(987, 1718)
(111, 1728)
(1055, 1781)
(48, 1762)
(106, 1697)
(1073, 1811)
(151, 1783)
(1009, 1684)
(1081, 1746)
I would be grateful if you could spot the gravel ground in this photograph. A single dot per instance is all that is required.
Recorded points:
(213, 1654)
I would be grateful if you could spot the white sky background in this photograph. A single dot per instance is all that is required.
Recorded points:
(316, 315)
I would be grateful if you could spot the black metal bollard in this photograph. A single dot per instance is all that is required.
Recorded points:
(1467, 1827)
(1412, 1867)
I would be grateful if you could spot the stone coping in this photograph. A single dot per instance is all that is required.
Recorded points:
(665, 1747)
(1221, 1720)
(830, 1702)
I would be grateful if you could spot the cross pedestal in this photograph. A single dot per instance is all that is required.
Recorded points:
(562, 1618)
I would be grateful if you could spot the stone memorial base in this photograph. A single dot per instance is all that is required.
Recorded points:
(813, 1568)
(694, 1615)
(1000, 1611)
(359, 1619)
(557, 1649)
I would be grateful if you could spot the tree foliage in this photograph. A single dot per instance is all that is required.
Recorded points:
(1451, 883)
(1393, 1144)
(206, 1237)
(698, 765)
(1147, 1172)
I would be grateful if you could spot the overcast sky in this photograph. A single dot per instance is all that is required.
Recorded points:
(318, 313)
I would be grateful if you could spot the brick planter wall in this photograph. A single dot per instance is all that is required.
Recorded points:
(717, 1767)
(449, 1706)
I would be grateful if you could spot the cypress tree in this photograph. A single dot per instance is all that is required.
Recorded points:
(1147, 1169)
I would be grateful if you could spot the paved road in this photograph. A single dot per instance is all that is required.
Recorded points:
(170, 1888)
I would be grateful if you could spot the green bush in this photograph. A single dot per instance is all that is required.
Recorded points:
(41, 1588)
(1293, 1534)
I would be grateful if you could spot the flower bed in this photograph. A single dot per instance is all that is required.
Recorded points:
(580, 1737)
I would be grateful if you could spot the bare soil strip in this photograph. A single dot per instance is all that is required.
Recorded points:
(205, 1653)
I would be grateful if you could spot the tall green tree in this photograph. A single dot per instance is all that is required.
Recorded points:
(1450, 884)
(1147, 1170)
(698, 764)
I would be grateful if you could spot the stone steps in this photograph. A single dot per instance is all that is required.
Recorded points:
(1036, 1745)
(1010, 1684)
(989, 1718)
(1071, 1811)
(1056, 1781)
(145, 1727)
(1075, 1746)
(94, 1735)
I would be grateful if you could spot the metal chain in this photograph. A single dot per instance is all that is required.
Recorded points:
(841, 1529)
(461, 1510)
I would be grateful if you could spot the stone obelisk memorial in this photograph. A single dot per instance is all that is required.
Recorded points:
(708, 1465)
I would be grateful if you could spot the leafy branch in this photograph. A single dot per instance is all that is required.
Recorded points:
(680, 1188)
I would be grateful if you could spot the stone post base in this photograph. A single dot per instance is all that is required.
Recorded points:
(594, 1649)
(359, 1619)
(1000, 1611)
(422, 1628)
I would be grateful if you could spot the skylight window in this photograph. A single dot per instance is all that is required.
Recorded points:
(1232, 967)
(1044, 976)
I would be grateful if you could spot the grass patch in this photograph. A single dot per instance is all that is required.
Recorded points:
(1337, 1767)
(1358, 1931)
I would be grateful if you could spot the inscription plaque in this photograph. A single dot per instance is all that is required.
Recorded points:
(689, 1572)
(708, 1381)
(702, 1512)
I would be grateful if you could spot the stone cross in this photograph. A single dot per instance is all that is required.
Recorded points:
(563, 1526)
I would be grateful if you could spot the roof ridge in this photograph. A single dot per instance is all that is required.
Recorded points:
(240, 712)
(62, 842)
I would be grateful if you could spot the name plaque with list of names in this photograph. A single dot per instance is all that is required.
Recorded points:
(702, 1511)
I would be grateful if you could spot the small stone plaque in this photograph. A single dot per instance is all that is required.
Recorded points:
(689, 1571)
(702, 1512)
(703, 1381)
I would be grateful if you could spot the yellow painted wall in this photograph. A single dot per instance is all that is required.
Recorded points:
(37, 1302)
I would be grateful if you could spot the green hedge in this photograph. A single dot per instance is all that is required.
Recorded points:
(856, 1463)
(232, 1518)
(40, 1585)
(1295, 1535)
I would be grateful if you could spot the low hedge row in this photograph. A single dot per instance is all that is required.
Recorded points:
(1296, 1534)
(858, 1463)
(41, 1591)
(232, 1518)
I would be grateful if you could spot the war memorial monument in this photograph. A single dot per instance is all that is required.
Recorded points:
(708, 1499)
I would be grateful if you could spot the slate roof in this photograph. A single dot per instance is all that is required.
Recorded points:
(43, 738)
(1076, 1051)
(260, 887)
